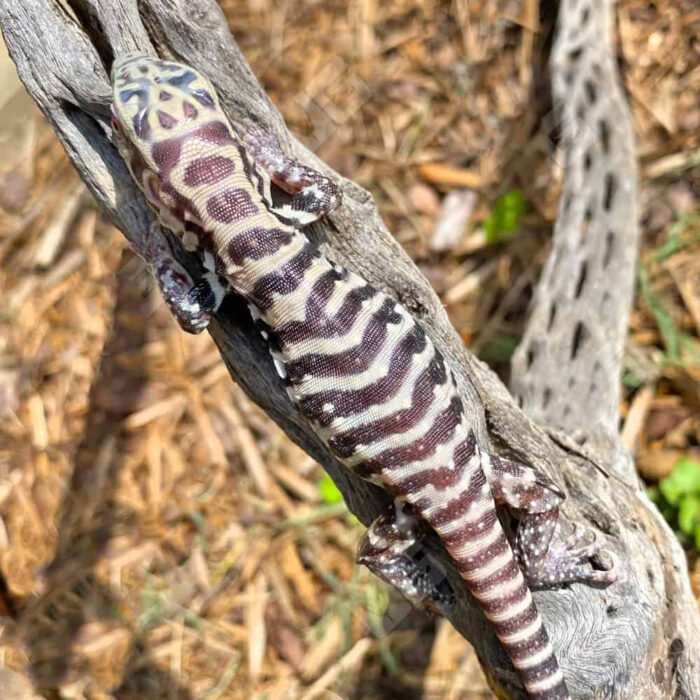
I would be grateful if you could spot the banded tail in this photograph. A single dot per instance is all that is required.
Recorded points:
(471, 532)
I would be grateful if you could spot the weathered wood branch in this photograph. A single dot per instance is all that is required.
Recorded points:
(636, 639)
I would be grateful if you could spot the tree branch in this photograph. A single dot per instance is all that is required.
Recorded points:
(606, 641)
(566, 371)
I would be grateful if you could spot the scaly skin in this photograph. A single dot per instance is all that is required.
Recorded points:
(356, 364)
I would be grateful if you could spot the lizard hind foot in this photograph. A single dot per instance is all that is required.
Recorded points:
(390, 549)
(578, 557)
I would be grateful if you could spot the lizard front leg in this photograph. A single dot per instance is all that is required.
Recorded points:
(545, 554)
(191, 303)
(385, 549)
(313, 195)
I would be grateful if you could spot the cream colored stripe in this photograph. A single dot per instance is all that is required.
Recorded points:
(393, 404)
(415, 436)
(537, 658)
(474, 546)
(512, 610)
(502, 590)
(338, 344)
(522, 634)
(292, 307)
(379, 369)
(547, 683)
(491, 567)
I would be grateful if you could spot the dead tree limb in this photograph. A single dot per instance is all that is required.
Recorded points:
(637, 639)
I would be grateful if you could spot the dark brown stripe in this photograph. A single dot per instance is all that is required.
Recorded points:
(257, 243)
(348, 403)
(285, 279)
(215, 131)
(543, 670)
(517, 623)
(233, 204)
(528, 647)
(507, 572)
(318, 324)
(496, 549)
(457, 507)
(558, 692)
(208, 170)
(442, 478)
(497, 606)
(421, 400)
(439, 432)
(354, 360)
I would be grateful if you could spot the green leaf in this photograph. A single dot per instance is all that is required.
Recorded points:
(498, 348)
(329, 491)
(697, 537)
(505, 217)
(630, 379)
(684, 479)
(689, 514)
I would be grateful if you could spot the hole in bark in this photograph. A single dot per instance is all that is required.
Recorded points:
(546, 397)
(591, 91)
(580, 336)
(587, 160)
(585, 16)
(611, 611)
(609, 192)
(604, 133)
(609, 241)
(530, 357)
(583, 272)
(566, 202)
(587, 218)
(676, 647)
(521, 401)
(552, 315)
(575, 54)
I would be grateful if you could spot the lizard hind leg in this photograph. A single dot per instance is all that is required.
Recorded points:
(385, 549)
(313, 195)
(546, 555)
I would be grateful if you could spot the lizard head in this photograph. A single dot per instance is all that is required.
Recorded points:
(155, 99)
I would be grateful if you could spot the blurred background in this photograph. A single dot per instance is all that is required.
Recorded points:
(159, 535)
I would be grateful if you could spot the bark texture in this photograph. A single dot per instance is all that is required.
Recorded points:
(639, 638)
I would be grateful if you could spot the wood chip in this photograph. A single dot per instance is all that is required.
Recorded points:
(636, 416)
(439, 174)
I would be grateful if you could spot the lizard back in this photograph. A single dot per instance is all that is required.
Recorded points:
(358, 366)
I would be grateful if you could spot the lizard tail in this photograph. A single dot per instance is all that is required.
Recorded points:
(472, 534)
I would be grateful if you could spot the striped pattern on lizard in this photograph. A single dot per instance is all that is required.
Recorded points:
(356, 364)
